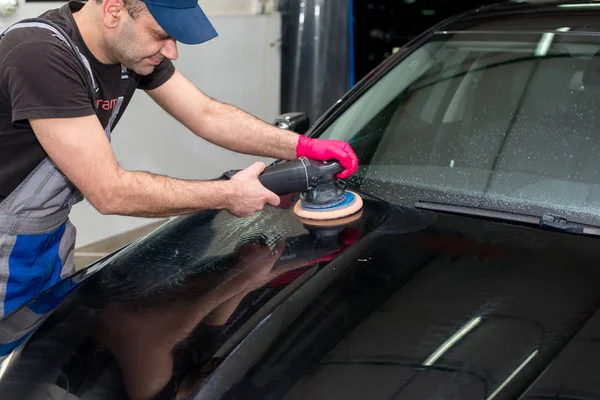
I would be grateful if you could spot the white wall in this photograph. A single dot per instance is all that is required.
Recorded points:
(210, 7)
(229, 7)
(241, 67)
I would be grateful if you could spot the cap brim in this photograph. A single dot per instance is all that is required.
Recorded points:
(186, 25)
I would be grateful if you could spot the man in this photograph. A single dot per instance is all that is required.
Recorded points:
(59, 106)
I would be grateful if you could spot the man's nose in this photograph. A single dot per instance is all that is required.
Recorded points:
(169, 50)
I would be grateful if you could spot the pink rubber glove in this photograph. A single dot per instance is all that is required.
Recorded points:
(324, 150)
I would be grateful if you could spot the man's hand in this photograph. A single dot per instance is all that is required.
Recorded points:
(250, 195)
(323, 150)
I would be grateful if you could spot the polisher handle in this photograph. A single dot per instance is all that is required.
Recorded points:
(284, 178)
(297, 176)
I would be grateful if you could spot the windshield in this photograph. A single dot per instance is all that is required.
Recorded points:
(493, 120)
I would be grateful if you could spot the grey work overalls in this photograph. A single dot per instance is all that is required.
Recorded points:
(37, 241)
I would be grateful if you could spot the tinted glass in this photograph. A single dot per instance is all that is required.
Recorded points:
(504, 120)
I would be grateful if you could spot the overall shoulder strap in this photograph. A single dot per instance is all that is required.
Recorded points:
(63, 36)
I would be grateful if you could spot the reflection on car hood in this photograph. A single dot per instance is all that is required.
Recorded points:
(395, 303)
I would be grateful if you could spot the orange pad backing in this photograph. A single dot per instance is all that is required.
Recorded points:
(333, 213)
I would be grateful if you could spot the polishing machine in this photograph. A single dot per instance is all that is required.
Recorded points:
(322, 195)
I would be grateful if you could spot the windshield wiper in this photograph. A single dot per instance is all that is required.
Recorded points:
(561, 224)
(547, 221)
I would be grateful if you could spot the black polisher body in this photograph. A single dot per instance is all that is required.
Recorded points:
(315, 180)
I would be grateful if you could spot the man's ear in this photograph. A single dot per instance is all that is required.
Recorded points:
(112, 12)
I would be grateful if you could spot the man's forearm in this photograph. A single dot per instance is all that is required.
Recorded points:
(148, 195)
(236, 130)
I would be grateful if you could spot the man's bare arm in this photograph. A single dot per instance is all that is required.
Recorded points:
(222, 124)
(80, 149)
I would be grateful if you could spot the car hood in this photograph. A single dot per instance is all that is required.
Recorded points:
(394, 303)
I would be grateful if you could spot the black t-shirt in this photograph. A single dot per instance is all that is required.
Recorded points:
(41, 78)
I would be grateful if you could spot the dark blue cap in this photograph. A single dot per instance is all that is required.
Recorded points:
(184, 20)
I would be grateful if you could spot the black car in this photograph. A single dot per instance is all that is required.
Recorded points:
(472, 271)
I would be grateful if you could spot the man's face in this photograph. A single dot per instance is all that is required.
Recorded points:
(141, 44)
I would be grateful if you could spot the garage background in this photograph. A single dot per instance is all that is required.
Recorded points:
(270, 57)
(329, 45)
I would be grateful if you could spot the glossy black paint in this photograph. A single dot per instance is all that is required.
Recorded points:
(138, 311)
(366, 308)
